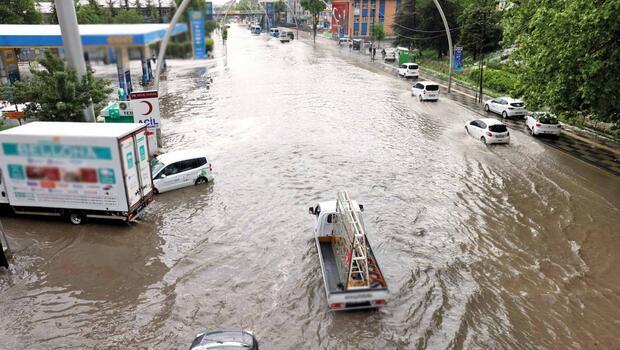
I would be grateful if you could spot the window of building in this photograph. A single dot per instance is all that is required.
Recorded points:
(357, 19)
(364, 5)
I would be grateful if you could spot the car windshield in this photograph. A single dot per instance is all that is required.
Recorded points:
(517, 104)
(156, 166)
(432, 87)
(548, 119)
(221, 347)
(413, 66)
(498, 128)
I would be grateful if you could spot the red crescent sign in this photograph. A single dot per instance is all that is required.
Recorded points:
(150, 107)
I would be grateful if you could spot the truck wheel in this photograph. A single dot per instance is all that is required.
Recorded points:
(201, 180)
(76, 217)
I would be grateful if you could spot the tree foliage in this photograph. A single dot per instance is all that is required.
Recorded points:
(56, 93)
(377, 33)
(19, 12)
(315, 7)
(419, 24)
(478, 17)
(567, 54)
(128, 16)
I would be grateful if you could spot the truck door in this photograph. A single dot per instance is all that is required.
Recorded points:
(130, 170)
(4, 199)
(144, 168)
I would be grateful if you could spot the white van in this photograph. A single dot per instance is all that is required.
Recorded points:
(345, 41)
(407, 70)
(178, 169)
(274, 32)
(390, 54)
(284, 37)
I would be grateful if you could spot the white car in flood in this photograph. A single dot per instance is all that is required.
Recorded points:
(488, 130)
(178, 169)
(409, 70)
(425, 91)
(506, 107)
(543, 123)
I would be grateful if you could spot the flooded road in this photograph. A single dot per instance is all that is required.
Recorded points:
(482, 247)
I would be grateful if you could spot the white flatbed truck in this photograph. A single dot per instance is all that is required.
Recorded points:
(351, 273)
(76, 170)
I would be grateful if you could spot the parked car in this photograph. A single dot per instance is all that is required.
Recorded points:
(274, 32)
(506, 106)
(284, 37)
(389, 54)
(425, 91)
(407, 70)
(225, 340)
(290, 35)
(345, 41)
(178, 169)
(543, 123)
(488, 130)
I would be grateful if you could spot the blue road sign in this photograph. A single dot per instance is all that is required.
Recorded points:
(197, 20)
(458, 59)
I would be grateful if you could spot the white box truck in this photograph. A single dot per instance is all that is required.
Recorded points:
(76, 170)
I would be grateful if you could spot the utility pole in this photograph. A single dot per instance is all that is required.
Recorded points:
(481, 62)
(67, 19)
(445, 23)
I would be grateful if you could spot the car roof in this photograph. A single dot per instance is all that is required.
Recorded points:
(175, 156)
(509, 99)
(490, 121)
(427, 82)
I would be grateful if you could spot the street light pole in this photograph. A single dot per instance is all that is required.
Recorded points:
(164, 42)
(445, 23)
(67, 19)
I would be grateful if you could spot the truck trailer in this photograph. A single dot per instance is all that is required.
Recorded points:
(76, 170)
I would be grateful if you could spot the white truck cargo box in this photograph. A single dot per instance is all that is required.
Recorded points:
(83, 169)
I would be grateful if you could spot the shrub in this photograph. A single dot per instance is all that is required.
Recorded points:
(495, 79)
(210, 44)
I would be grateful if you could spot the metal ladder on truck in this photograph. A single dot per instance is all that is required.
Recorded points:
(359, 276)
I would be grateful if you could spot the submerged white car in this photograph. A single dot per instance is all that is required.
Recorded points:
(409, 70)
(425, 91)
(488, 130)
(506, 107)
(178, 169)
(543, 123)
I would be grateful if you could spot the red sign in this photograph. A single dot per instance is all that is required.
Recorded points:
(143, 94)
(340, 17)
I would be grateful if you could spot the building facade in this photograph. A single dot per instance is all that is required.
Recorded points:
(355, 17)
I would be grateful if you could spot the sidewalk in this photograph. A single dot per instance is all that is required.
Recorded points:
(582, 144)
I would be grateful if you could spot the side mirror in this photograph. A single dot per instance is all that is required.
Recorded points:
(361, 207)
(311, 210)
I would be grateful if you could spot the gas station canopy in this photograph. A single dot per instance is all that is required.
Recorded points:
(48, 35)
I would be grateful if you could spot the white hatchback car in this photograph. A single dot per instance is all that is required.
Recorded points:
(409, 70)
(488, 130)
(506, 106)
(425, 91)
(543, 123)
(178, 169)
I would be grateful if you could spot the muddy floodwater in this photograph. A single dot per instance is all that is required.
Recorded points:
(482, 247)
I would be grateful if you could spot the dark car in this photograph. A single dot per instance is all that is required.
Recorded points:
(225, 340)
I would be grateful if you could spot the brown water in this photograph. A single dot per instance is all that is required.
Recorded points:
(501, 247)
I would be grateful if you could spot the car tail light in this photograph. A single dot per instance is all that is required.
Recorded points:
(538, 125)
(489, 133)
(336, 306)
(379, 302)
(507, 133)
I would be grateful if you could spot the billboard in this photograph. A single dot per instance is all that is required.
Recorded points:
(208, 11)
(197, 20)
(339, 19)
(458, 59)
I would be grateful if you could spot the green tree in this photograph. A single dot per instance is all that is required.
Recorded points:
(315, 7)
(279, 7)
(56, 93)
(406, 22)
(126, 16)
(377, 33)
(19, 12)
(478, 17)
(92, 13)
(151, 12)
(431, 23)
(567, 55)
